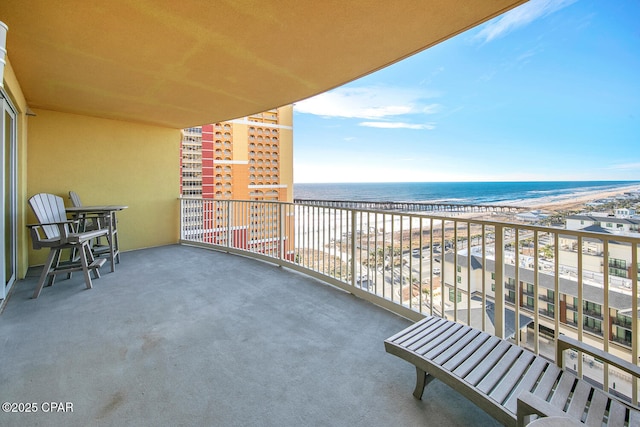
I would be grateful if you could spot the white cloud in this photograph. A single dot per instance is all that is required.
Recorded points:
(519, 17)
(367, 103)
(398, 125)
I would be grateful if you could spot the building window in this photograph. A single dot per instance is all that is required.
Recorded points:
(618, 267)
(451, 295)
(617, 263)
(528, 302)
(574, 318)
(617, 272)
(623, 336)
(593, 325)
(623, 320)
(574, 305)
(551, 310)
(592, 309)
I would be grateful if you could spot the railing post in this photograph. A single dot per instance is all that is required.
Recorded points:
(499, 274)
(442, 267)
(518, 289)
(484, 275)
(454, 281)
(229, 233)
(353, 247)
(634, 318)
(182, 233)
(281, 225)
(606, 310)
(580, 301)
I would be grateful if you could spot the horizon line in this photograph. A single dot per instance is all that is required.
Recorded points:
(469, 182)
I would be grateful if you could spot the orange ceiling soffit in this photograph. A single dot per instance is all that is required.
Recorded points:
(179, 64)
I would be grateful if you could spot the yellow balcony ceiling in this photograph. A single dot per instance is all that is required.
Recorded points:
(189, 62)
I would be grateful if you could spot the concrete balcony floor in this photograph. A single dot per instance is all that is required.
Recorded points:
(182, 336)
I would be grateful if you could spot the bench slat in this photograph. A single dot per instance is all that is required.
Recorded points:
(412, 334)
(408, 330)
(430, 331)
(453, 363)
(547, 382)
(426, 343)
(617, 413)
(579, 399)
(634, 419)
(499, 370)
(561, 394)
(483, 366)
(597, 409)
(474, 358)
(446, 344)
(511, 378)
(454, 349)
(530, 378)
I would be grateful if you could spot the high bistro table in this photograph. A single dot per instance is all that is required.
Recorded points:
(108, 213)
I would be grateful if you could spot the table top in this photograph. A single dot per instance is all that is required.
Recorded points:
(96, 208)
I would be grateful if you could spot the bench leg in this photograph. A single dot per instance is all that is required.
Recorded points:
(422, 379)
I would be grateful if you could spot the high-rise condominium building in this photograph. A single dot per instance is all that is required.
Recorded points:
(248, 159)
(244, 159)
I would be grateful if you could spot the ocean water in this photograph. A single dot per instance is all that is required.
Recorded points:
(476, 193)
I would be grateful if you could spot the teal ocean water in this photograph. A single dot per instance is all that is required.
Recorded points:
(477, 193)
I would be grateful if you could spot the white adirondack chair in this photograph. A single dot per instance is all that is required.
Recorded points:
(57, 233)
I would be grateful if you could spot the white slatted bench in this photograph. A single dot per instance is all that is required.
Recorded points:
(507, 381)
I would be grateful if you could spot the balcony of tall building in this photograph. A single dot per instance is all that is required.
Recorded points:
(185, 335)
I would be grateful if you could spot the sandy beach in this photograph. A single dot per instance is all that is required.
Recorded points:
(575, 201)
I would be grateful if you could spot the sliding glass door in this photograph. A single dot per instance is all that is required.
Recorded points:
(8, 231)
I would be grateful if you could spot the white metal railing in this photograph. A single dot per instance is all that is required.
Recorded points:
(520, 282)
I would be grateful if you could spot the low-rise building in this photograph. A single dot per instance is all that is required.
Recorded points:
(528, 296)
(610, 223)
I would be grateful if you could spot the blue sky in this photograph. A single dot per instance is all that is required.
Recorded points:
(548, 91)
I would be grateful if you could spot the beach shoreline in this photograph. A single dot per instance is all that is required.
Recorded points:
(574, 201)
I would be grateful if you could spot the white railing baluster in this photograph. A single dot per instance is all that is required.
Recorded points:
(536, 297)
(484, 276)
(519, 292)
(353, 249)
(634, 318)
(499, 278)
(468, 286)
(580, 300)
